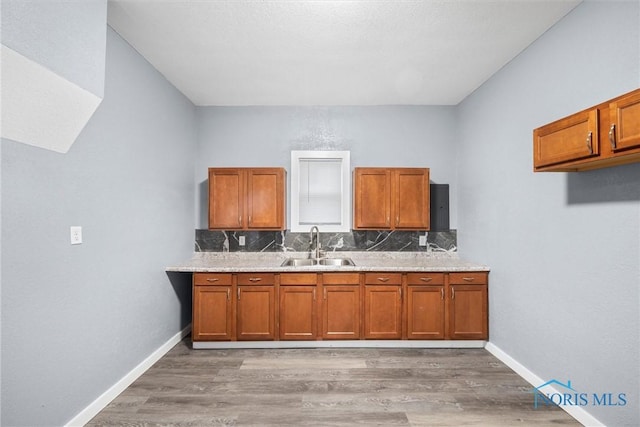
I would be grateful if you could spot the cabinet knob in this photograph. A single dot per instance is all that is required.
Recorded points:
(612, 136)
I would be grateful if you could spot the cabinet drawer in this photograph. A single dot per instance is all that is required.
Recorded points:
(425, 278)
(341, 279)
(298, 279)
(200, 279)
(256, 279)
(383, 278)
(469, 278)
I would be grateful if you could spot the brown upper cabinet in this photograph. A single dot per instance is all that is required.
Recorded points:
(607, 134)
(246, 199)
(391, 198)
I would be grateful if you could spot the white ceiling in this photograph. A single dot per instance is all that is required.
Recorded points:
(331, 52)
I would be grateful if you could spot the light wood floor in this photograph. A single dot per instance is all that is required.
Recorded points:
(328, 387)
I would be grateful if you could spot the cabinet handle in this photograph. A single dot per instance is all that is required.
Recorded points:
(612, 136)
(453, 293)
(397, 220)
(249, 219)
(325, 293)
(238, 294)
(400, 293)
(426, 279)
(383, 279)
(314, 294)
(212, 280)
(239, 220)
(228, 294)
(254, 279)
(468, 279)
(590, 142)
(442, 293)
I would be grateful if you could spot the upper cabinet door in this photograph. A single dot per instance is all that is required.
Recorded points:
(372, 204)
(624, 131)
(246, 198)
(572, 138)
(265, 198)
(226, 198)
(411, 198)
(391, 198)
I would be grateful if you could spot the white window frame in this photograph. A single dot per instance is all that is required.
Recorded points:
(345, 170)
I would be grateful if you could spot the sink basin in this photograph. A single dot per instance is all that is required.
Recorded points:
(299, 262)
(305, 262)
(335, 261)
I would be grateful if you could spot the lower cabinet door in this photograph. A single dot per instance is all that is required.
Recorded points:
(341, 312)
(425, 312)
(298, 313)
(468, 312)
(382, 312)
(256, 313)
(212, 313)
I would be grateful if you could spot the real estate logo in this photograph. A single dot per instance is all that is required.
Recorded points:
(556, 393)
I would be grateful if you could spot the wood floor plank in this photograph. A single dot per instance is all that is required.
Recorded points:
(328, 387)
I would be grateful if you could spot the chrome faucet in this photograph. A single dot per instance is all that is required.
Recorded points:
(317, 230)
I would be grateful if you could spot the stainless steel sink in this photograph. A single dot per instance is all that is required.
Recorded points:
(299, 262)
(335, 261)
(305, 262)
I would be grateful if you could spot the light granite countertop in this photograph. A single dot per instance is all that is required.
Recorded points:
(220, 262)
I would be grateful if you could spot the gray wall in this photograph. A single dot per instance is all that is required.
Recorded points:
(67, 37)
(563, 247)
(422, 136)
(76, 319)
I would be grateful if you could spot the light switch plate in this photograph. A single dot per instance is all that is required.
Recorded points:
(422, 240)
(76, 234)
(241, 240)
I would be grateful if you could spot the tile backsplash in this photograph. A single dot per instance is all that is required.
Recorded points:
(356, 240)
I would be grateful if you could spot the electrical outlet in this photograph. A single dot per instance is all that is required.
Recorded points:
(241, 240)
(76, 234)
(422, 240)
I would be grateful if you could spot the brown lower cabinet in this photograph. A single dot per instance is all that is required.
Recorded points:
(425, 306)
(212, 307)
(468, 306)
(298, 306)
(383, 306)
(256, 307)
(340, 306)
(312, 306)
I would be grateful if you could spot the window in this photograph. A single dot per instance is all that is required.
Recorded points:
(320, 191)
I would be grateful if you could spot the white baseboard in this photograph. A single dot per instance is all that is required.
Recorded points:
(101, 402)
(582, 416)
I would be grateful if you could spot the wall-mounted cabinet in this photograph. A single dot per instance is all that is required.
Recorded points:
(605, 135)
(247, 199)
(391, 198)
